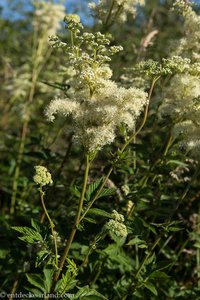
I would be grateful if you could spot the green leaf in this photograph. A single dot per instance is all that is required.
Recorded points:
(99, 212)
(151, 288)
(158, 274)
(107, 192)
(36, 281)
(173, 228)
(35, 225)
(92, 188)
(29, 234)
(90, 220)
(41, 255)
(135, 241)
(48, 271)
(86, 293)
(68, 281)
(176, 162)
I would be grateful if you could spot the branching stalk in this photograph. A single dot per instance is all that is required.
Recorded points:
(76, 222)
(51, 225)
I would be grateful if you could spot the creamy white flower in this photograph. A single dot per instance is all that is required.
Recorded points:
(96, 118)
(182, 96)
(120, 8)
(42, 176)
(47, 17)
(59, 106)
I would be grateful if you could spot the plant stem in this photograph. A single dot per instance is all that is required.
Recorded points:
(198, 250)
(109, 14)
(76, 222)
(122, 150)
(145, 178)
(14, 288)
(142, 265)
(51, 225)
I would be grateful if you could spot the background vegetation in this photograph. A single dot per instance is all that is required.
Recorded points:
(154, 184)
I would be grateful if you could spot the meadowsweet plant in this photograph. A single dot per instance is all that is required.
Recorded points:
(181, 101)
(115, 10)
(96, 104)
(99, 188)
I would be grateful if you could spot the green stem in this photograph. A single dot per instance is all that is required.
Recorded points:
(109, 14)
(122, 150)
(142, 265)
(51, 225)
(97, 194)
(72, 38)
(146, 177)
(147, 255)
(198, 250)
(76, 222)
(92, 246)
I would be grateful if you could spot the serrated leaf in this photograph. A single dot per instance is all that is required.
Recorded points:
(35, 225)
(99, 212)
(36, 281)
(48, 276)
(92, 188)
(41, 255)
(65, 284)
(107, 192)
(151, 288)
(86, 293)
(30, 235)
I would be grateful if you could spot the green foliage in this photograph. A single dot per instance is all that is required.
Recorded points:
(125, 220)
(29, 235)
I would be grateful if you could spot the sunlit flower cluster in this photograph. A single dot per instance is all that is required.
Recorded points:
(47, 16)
(115, 10)
(96, 104)
(182, 96)
(189, 44)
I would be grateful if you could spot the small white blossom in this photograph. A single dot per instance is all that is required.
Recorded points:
(42, 176)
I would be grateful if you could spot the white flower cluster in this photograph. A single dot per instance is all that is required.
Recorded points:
(96, 119)
(116, 227)
(182, 96)
(189, 44)
(47, 16)
(96, 104)
(42, 176)
(119, 9)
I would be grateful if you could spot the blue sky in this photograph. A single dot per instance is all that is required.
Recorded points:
(71, 7)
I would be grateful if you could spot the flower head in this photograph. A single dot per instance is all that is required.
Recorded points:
(42, 176)
(116, 227)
